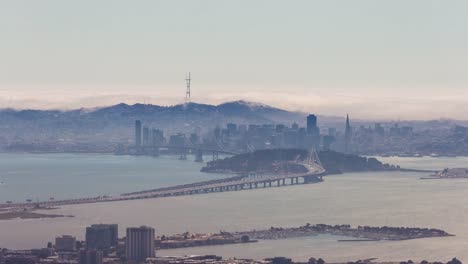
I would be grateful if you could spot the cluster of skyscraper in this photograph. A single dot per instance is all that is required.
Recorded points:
(279, 135)
(145, 137)
(102, 239)
(244, 138)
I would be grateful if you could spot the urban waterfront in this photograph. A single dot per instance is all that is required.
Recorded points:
(373, 198)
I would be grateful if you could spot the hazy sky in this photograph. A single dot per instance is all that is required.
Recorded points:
(374, 59)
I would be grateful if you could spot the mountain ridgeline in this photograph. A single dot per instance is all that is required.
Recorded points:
(116, 123)
(286, 160)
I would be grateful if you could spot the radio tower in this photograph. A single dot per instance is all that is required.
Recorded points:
(187, 93)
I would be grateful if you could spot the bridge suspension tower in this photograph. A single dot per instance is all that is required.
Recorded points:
(314, 158)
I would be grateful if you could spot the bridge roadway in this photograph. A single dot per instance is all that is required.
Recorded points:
(314, 174)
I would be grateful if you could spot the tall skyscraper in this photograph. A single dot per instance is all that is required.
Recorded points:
(313, 132)
(90, 256)
(311, 124)
(102, 236)
(348, 135)
(138, 133)
(139, 243)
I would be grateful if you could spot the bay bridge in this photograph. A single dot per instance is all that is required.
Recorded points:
(313, 173)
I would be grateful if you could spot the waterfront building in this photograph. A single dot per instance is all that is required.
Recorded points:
(90, 256)
(138, 133)
(65, 243)
(102, 236)
(139, 243)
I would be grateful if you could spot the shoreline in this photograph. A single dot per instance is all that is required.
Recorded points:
(366, 232)
(12, 215)
(344, 233)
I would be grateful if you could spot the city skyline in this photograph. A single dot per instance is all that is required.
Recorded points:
(376, 60)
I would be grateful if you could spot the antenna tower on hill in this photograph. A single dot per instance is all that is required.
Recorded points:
(187, 92)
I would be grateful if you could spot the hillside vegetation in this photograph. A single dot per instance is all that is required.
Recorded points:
(286, 160)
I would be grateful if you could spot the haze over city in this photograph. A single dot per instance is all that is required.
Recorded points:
(379, 60)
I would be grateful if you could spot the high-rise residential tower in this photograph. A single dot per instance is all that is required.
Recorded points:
(139, 243)
(102, 236)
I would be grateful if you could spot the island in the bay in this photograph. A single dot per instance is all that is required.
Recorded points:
(280, 161)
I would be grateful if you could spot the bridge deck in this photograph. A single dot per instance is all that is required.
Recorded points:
(235, 183)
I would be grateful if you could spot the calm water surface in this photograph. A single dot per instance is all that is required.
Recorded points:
(41, 176)
(384, 198)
